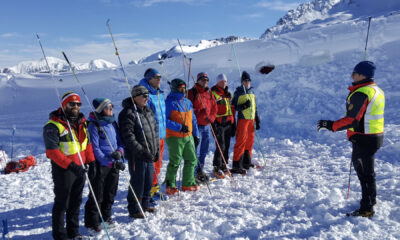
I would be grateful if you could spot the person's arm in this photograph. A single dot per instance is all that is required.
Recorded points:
(52, 144)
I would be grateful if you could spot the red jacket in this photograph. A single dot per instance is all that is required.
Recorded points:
(221, 107)
(204, 104)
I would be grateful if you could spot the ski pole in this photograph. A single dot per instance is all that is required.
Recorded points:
(366, 40)
(133, 102)
(212, 130)
(73, 138)
(14, 129)
(183, 61)
(348, 186)
(248, 98)
(190, 69)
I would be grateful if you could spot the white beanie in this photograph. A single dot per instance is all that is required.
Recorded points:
(221, 77)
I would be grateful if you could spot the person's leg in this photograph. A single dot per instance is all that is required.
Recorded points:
(147, 183)
(137, 175)
(92, 216)
(241, 138)
(175, 148)
(158, 164)
(217, 160)
(190, 161)
(74, 205)
(109, 193)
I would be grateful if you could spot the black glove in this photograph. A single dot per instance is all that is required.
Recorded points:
(157, 157)
(116, 155)
(325, 124)
(147, 157)
(91, 170)
(79, 171)
(119, 165)
(257, 123)
(244, 105)
(184, 128)
(233, 130)
(196, 141)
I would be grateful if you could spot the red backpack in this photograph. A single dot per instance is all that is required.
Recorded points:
(21, 166)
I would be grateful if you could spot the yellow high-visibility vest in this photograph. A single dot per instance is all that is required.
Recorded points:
(225, 102)
(67, 146)
(373, 118)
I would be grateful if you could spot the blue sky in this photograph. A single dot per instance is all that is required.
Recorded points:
(141, 27)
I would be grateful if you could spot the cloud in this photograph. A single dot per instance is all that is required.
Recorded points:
(253, 15)
(278, 5)
(149, 3)
(8, 35)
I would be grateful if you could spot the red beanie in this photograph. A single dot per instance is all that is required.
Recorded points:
(70, 97)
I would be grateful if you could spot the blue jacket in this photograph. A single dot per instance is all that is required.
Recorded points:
(157, 105)
(101, 147)
(179, 110)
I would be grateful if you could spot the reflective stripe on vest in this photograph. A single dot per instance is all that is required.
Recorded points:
(373, 117)
(225, 102)
(248, 113)
(67, 146)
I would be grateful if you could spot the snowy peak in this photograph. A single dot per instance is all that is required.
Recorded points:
(203, 44)
(325, 12)
(56, 64)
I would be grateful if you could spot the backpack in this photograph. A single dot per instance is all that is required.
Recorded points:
(21, 166)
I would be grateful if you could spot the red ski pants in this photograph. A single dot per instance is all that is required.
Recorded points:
(244, 138)
(158, 164)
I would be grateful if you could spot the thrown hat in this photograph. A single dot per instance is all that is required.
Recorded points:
(176, 83)
(100, 103)
(365, 68)
(151, 72)
(221, 77)
(69, 97)
(139, 90)
(201, 76)
(245, 76)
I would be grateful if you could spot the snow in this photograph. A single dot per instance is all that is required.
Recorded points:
(301, 194)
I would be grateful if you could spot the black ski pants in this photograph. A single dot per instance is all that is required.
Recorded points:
(363, 162)
(223, 133)
(68, 197)
(105, 186)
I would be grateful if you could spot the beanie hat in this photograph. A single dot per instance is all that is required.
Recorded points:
(100, 103)
(151, 72)
(139, 90)
(221, 77)
(69, 97)
(245, 76)
(201, 76)
(365, 68)
(176, 83)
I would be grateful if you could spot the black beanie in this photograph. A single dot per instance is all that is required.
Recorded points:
(245, 76)
(176, 83)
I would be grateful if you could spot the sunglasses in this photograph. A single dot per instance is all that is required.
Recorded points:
(246, 80)
(73, 104)
(109, 107)
(157, 77)
(145, 95)
(204, 79)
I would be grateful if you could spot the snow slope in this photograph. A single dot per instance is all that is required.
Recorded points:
(301, 194)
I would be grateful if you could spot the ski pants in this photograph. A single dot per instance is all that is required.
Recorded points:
(178, 148)
(244, 138)
(204, 144)
(68, 197)
(223, 134)
(158, 164)
(141, 180)
(363, 162)
(105, 187)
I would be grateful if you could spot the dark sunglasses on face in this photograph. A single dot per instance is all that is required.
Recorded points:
(145, 95)
(157, 77)
(109, 107)
(246, 80)
(204, 79)
(73, 104)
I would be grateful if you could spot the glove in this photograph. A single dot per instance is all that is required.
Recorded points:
(233, 130)
(257, 123)
(116, 155)
(147, 157)
(119, 165)
(196, 141)
(79, 171)
(157, 157)
(91, 170)
(184, 128)
(325, 124)
(244, 105)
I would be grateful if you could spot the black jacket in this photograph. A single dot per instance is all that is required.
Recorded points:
(132, 134)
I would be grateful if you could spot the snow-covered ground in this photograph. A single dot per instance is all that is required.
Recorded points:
(302, 192)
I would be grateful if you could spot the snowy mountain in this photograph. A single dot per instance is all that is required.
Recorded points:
(177, 51)
(326, 12)
(302, 191)
(58, 65)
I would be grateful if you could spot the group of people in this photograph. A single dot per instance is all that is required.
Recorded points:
(95, 148)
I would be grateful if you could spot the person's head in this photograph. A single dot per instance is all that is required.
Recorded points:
(178, 85)
(202, 79)
(222, 81)
(71, 103)
(153, 77)
(103, 106)
(363, 70)
(246, 80)
(140, 95)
